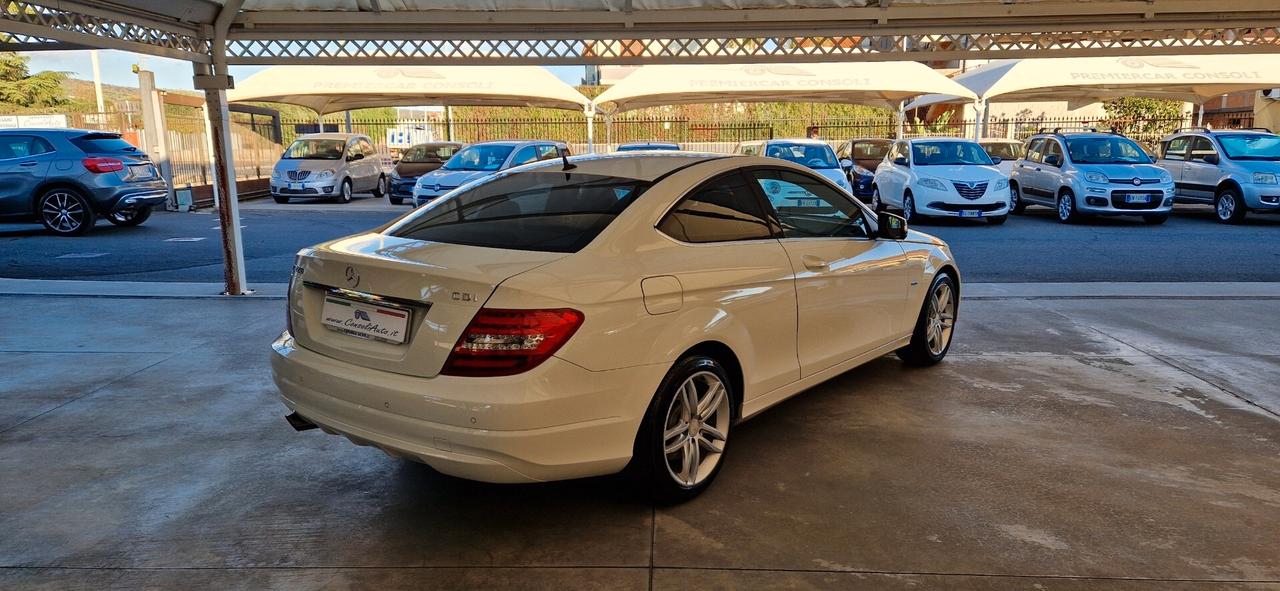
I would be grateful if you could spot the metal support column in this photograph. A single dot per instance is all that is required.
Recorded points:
(155, 135)
(902, 117)
(590, 112)
(215, 97)
(1200, 117)
(348, 114)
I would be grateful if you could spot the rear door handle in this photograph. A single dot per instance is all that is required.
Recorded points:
(814, 263)
(1037, 170)
(27, 164)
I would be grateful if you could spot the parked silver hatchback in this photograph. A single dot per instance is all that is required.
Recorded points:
(333, 165)
(1089, 172)
(1235, 170)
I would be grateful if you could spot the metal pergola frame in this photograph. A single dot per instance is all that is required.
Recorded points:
(213, 35)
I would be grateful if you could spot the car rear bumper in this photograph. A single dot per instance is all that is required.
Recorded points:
(131, 196)
(554, 422)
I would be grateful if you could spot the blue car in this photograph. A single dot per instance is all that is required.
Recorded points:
(67, 178)
(642, 146)
(480, 160)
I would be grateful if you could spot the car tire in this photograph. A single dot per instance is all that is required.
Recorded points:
(1229, 207)
(1155, 219)
(931, 338)
(380, 189)
(281, 199)
(909, 208)
(997, 220)
(396, 200)
(344, 192)
(1066, 208)
(129, 217)
(65, 212)
(877, 204)
(663, 453)
(1016, 205)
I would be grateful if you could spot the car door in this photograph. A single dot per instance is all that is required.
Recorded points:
(24, 163)
(735, 264)
(893, 181)
(1028, 170)
(352, 162)
(372, 163)
(547, 152)
(524, 155)
(1173, 156)
(850, 287)
(1049, 176)
(1200, 172)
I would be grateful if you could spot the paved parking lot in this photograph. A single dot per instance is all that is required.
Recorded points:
(185, 247)
(1065, 444)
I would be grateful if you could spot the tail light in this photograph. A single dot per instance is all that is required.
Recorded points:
(507, 342)
(99, 165)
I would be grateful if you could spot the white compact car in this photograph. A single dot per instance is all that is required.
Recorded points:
(942, 177)
(562, 320)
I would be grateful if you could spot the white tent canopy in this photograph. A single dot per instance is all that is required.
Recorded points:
(1191, 78)
(330, 89)
(882, 84)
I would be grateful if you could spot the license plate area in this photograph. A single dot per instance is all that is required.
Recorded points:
(970, 213)
(1138, 198)
(365, 319)
(141, 171)
(295, 186)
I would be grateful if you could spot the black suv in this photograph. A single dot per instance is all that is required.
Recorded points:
(66, 178)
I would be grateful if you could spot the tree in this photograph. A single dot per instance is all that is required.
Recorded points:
(19, 87)
(1143, 117)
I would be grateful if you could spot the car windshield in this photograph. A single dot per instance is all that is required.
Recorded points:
(1252, 146)
(1106, 150)
(427, 153)
(870, 150)
(1003, 150)
(811, 155)
(483, 157)
(543, 211)
(948, 153)
(315, 149)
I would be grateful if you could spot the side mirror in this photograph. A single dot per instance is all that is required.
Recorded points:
(846, 164)
(996, 160)
(1053, 160)
(1211, 158)
(900, 160)
(354, 157)
(892, 227)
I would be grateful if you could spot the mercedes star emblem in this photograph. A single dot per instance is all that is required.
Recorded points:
(353, 277)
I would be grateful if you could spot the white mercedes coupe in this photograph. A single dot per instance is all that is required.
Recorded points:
(582, 316)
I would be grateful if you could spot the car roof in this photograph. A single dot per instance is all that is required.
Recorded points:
(645, 166)
(939, 139)
(514, 142)
(878, 140)
(55, 130)
(998, 140)
(649, 144)
(798, 140)
(437, 144)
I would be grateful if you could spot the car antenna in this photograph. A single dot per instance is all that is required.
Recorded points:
(567, 165)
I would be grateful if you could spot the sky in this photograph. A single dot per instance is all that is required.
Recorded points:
(117, 69)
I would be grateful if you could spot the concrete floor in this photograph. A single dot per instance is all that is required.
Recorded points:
(1065, 444)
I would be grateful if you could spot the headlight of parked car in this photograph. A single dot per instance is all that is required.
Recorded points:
(933, 184)
(862, 171)
(275, 174)
(1264, 178)
(1002, 184)
(1096, 177)
(1165, 177)
(324, 174)
(395, 176)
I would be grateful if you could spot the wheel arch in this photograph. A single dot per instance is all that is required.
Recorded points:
(1228, 183)
(724, 355)
(59, 183)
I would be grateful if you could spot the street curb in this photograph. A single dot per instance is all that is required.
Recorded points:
(969, 291)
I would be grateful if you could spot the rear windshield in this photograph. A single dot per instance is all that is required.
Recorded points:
(485, 157)
(98, 143)
(427, 153)
(870, 150)
(811, 155)
(1003, 150)
(543, 211)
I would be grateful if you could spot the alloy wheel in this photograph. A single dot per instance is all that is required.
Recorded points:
(63, 212)
(942, 317)
(908, 208)
(1226, 207)
(1014, 197)
(1064, 207)
(696, 428)
(346, 192)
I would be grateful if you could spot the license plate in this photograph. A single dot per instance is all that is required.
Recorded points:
(1137, 198)
(140, 171)
(365, 320)
(970, 213)
(295, 186)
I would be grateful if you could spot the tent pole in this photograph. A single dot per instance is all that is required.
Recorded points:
(215, 97)
(348, 113)
(1200, 117)
(977, 120)
(902, 117)
(320, 122)
(590, 112)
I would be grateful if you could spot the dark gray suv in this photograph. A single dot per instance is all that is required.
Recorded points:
(67, 178)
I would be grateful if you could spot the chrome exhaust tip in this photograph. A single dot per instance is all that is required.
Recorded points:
(299, 423)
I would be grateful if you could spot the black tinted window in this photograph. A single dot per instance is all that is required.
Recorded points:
(102, 143)
(545, 211)
(809, 208)
(722, 210)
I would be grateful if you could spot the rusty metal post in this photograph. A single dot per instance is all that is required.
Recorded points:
(224, 178)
